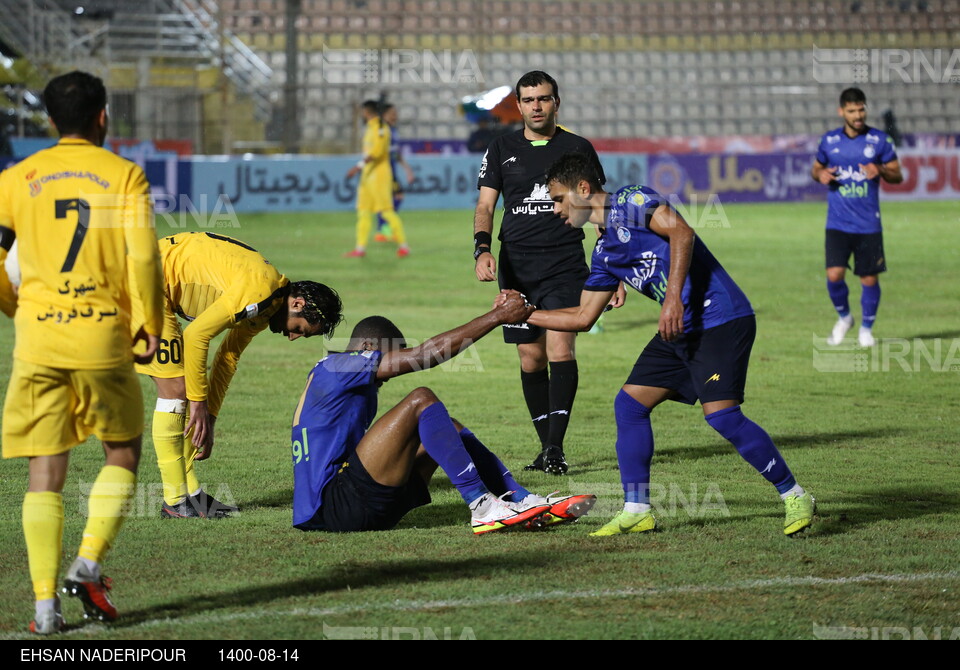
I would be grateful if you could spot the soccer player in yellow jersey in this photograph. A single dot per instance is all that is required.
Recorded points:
(80, 215)
(375, 192)
(217, 284)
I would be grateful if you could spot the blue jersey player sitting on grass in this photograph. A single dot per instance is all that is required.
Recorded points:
(348, 478)
(701, 351)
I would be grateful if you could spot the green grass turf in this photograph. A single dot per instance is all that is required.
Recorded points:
(878, 449)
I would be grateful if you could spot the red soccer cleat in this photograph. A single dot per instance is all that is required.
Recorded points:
(91, 590)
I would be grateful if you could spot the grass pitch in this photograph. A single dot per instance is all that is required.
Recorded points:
(876, 443)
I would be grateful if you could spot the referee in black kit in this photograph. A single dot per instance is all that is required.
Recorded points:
(539, 256)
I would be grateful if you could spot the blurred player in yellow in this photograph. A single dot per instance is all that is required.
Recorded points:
(375, 192)
(218, 284)
(81, 215)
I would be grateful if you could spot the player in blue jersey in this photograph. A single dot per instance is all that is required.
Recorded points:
(702, 347)
(348, 478)
(851, 161)
(396, 161)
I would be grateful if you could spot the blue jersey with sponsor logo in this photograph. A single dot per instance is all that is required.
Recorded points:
(630, 252)
(337, 407)
(853, 202)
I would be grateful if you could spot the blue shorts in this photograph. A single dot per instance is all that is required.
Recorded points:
(707, 365)
(353, 501)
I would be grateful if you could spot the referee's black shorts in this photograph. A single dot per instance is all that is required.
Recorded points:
(708, 365)
(550, 278)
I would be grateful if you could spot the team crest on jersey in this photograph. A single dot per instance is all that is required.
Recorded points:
(623, 234)
(869, 152)
(873, 139)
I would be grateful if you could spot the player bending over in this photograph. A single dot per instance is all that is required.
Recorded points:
(348, 478)
(702, 347)
(218, 284)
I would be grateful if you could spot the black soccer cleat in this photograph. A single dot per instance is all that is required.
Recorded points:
(210, 507)
(537, 465)
(554, 462)
(182, 510)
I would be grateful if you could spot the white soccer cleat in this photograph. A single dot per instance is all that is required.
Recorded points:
(840, 330)
(865, 337)
(491, 513)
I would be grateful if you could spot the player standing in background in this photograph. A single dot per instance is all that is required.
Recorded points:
(701, 350)
(539, 256)
(852, 160)
(396, 159)
(375, 191)
(218, 284)
(348, 478)
(80, 214)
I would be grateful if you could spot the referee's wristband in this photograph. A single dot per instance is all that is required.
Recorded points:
(480, 250)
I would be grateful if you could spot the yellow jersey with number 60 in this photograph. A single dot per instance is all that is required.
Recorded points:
(80, 214)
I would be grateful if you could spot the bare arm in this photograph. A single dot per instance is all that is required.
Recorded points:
(443, 347)
(668, 223)
(486, 266)
(574, 319)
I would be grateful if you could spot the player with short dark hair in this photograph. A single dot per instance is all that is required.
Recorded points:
(218, 284)
(539, 256)
(702, 348)
(348, 478)
(851, 161)
(81, 215)
(375, 190)
(391, 117)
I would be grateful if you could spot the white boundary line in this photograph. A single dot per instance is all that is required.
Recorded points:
(207, 618)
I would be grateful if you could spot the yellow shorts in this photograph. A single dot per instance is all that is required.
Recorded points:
(168, 363)
(48, 411)
(374, 196)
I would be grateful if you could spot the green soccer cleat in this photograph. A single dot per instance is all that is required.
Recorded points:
(800, 511)
(627, 522)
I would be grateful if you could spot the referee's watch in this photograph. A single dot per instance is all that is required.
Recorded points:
(480, 250)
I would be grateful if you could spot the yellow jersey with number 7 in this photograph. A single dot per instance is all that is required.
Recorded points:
(80, 214)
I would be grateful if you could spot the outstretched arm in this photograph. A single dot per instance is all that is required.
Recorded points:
(574, 319)
(443, 347)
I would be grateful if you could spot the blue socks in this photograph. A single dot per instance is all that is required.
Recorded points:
(839, 296)
(634, 447)
(754, 445)
(869, 302)
(491, 469)
(442, 441)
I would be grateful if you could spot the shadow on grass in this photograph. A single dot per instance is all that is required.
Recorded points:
(932, 336)
(795, 441)
(356, 574)
(845, 513)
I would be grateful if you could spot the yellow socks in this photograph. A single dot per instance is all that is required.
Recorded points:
(171, 448)
(396, 226)
(364, 224)
(43, 531)
(107, 510)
